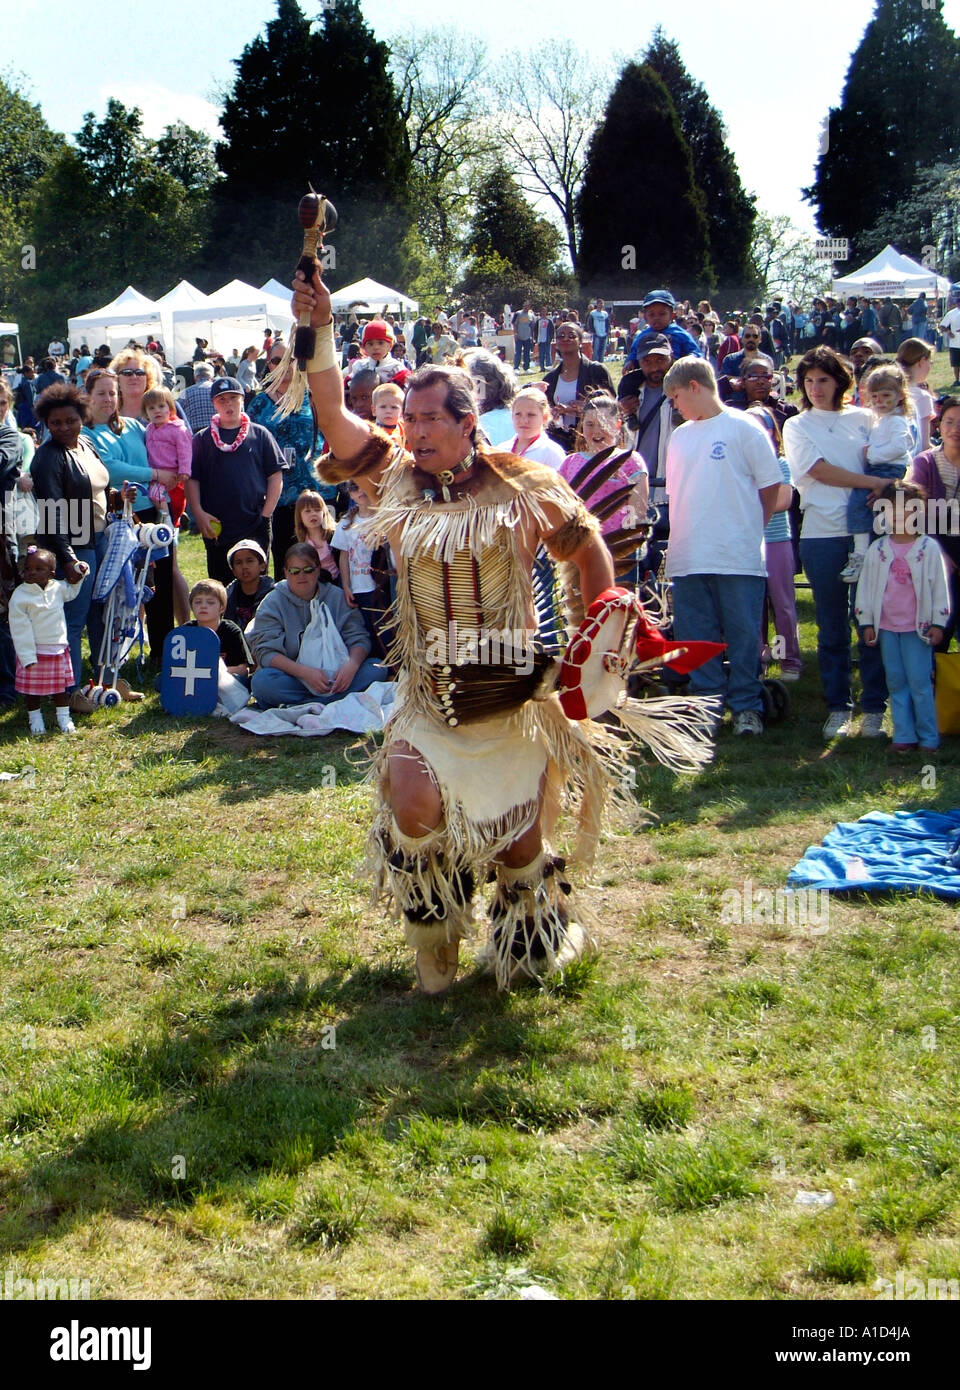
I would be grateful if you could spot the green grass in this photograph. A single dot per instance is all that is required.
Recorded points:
(217, 1080)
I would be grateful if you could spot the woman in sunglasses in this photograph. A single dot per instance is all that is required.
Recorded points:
(278, 629)
(294, 436)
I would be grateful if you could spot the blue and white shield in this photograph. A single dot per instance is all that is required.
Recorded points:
(190, 675)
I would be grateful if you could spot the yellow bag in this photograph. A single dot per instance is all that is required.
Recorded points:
(948, 692)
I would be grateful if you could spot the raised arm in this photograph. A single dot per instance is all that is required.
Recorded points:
(344, 433)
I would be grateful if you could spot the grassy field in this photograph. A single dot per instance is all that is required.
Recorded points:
(217, 1080)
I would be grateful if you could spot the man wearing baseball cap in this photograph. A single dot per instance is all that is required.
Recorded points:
(658, 310)
(649, 413)
(236, 479)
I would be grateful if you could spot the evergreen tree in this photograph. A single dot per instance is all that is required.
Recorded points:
(642, 220)
(27, 148)
(730, 211)
(312, 105)
(898, 114)
(504, 224)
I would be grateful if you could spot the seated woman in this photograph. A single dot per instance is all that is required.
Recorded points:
(278, 627)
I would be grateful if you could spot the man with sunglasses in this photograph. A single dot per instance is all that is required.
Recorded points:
(236, 478)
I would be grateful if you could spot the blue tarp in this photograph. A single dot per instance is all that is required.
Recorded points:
(907, 851)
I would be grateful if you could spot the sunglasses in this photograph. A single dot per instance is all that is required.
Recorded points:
(101, 371)
(274, 361)
(302, 569)
(132, 371)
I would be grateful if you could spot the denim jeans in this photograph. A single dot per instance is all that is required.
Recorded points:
(908, 663)
(822, 562)
(545, 355)
(599, 348)
(271, 687)
(82, 612)
(522, 348)
(723, 608)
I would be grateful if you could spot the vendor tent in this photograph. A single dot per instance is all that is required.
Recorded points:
(182, 296)
(130, 315)
(370, 295)
(274, 287)
(891, 274)
(12, 330)
(234, 316)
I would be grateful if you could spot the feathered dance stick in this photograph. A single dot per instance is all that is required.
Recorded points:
(318, 217)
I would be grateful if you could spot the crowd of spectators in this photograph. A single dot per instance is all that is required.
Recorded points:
(745, 477)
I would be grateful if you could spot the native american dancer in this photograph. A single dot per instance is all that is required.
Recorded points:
(479, 760)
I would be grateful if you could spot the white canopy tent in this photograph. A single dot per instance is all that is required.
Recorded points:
(370, 294)
(890, 273)
(12, 330)
(235, 316)
(130, 315)
(274, 287)
(182, 296)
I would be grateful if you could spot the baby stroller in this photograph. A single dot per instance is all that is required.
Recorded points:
(121, 586)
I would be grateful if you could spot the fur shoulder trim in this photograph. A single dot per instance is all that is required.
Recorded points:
(378, 452)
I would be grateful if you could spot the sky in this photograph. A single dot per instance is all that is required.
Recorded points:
(772, 70)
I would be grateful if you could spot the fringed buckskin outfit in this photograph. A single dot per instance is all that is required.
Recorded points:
(468, 562)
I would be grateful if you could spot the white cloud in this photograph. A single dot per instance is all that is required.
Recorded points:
(162, 106)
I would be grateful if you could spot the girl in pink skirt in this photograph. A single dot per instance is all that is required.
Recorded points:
(39, 631)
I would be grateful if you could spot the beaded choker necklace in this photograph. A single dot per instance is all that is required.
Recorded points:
(447, 478)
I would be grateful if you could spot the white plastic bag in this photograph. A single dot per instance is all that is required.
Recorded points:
(232, 694)
(321, 645)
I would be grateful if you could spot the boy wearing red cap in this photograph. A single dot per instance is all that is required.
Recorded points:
(375, 345)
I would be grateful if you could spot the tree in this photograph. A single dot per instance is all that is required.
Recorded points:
(551, 99)
(27, 148)
(441, 74)
(785, 261)
(104, 215)
(730, 211)
(188, 155)
(647, 227)
(312, 104)
(898, 114)
(925, 223)
(514, 253)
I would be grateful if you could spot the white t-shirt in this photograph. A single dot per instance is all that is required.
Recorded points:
(563, 393)
(542, 450)
(952, 322)
(349, 538)
(839, 437)
(922, 404)
(715, 469)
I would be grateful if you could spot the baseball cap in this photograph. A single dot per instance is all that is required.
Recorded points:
(224, 384)
(246, 545)
(659, 297)
(653, 344)
(377, 328)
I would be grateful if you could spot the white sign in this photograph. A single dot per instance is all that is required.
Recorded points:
(832, 248)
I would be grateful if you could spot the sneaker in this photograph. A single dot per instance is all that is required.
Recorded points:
(789, 675)
(79, 704)
(851, 570)
(904, 747)
(871, 726)
(747, 721)
(837, 725)
(66, 726)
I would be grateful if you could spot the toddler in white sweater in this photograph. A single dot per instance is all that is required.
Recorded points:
(38, 627)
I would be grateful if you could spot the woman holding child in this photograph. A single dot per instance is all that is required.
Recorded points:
(825, 447)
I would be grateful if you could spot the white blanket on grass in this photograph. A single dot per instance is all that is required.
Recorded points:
(362, 713)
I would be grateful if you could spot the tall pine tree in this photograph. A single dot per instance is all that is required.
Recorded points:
(312, 104)
(642, 219)
(899, 113)
(730, 211)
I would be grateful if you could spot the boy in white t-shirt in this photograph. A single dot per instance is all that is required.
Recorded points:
(724, 484)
